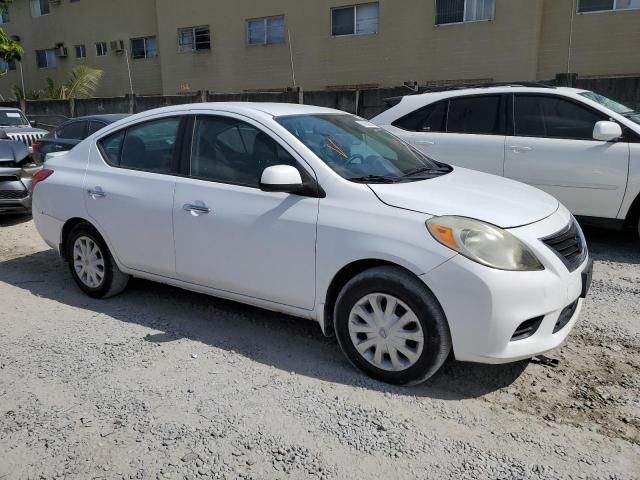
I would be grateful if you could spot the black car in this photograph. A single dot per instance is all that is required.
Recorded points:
(72, 132)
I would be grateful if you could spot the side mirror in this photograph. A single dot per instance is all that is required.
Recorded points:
(33, 123)
(281, 178)
(607, 131)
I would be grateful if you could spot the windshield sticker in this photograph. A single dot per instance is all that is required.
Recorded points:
(13, 115)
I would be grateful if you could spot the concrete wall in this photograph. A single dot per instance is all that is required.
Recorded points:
(85, 22)
(527, 40)
(603, 43)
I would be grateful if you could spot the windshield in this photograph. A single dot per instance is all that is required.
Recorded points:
(9, 118)
(359, 150)
(613, 105)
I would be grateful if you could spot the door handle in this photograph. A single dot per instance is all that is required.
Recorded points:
(58, 147)
(196, 210)
(96, 192)
(425, 142)
(520, 148)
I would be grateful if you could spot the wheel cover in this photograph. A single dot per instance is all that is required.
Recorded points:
(386, 332)
(88, 262)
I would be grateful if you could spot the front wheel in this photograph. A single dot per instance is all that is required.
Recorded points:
(92, 265)
(391, 326)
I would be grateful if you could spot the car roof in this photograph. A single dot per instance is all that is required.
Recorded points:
(270, 109)
(107, 117)
(488, 90)
(11, 109)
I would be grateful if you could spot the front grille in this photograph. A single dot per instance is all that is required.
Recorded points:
(568, 245)
(565, 316)
(27, 138)
(527, 328)
(8, 178)
(13, 194)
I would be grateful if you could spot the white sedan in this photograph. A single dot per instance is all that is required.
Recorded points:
(321, 215)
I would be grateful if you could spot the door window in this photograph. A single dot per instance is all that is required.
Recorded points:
(231, 151)
(149, 146)
(72, 131)
(94, 127)
(553, 117)
(480, 115)
(426, 119)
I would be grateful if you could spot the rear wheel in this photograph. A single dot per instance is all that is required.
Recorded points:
(92, 265)
(391, 326)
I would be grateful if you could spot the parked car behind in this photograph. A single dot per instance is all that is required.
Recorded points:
(16, 172)
(577, 145)
(15, 124)
(322, 215)
(72, 132)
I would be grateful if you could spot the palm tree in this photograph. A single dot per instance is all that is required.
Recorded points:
(83, 82)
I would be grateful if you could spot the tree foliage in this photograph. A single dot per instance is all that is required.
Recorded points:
(82, 82)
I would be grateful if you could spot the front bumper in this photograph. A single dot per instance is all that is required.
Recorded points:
(14, 194)
(485, 306)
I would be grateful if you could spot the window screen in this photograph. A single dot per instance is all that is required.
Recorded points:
(551, 117)
(482, 115)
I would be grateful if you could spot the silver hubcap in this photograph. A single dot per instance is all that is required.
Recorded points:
(88, 262)
(386, 332)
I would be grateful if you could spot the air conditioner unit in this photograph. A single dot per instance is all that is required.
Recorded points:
(62, 52)
(117, 46)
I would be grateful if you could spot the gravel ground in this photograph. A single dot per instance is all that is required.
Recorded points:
(164, 383)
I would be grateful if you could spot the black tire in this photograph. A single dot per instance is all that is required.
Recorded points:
(113, 281)
(410, 290)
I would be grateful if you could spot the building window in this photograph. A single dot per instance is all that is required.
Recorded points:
(7, 66)
(265, 31)
(4, 15)
(144, 47)
(46, 58)
(586, 6)
(39, 8)
(81, 51)
(192, 39)
(101, 49)
(459, 11)
(355, 20)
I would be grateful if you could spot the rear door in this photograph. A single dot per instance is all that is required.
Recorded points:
(129, 192)
(553, 149)
(465, 131)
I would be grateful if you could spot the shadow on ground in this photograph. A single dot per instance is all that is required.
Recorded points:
(273, 339)
(10, 220)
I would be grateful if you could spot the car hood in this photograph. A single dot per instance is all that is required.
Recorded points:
(467, 193)
(11, 130)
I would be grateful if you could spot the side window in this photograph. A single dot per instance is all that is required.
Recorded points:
(111, 147)
(231, 151)
(553, 117)
(72, 131)
(426, 119)
(148, 146)
(481, 115)
(94, 127)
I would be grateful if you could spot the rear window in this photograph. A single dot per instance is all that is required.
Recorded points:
(426, 119)
(481, 115)
(72, 131)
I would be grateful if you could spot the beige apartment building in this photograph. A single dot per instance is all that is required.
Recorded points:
(168, 47)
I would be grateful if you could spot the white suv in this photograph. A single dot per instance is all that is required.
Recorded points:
(321, 215)
(581, 147)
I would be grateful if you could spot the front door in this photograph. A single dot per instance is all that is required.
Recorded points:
(230, 235)
(553, 149)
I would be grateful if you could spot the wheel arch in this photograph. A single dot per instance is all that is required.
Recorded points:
(633, 215)
(70, 224)
(341, 278)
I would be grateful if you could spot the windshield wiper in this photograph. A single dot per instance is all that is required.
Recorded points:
(431, 170)
(374, 179)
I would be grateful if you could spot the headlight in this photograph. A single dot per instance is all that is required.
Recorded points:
(483, 243)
